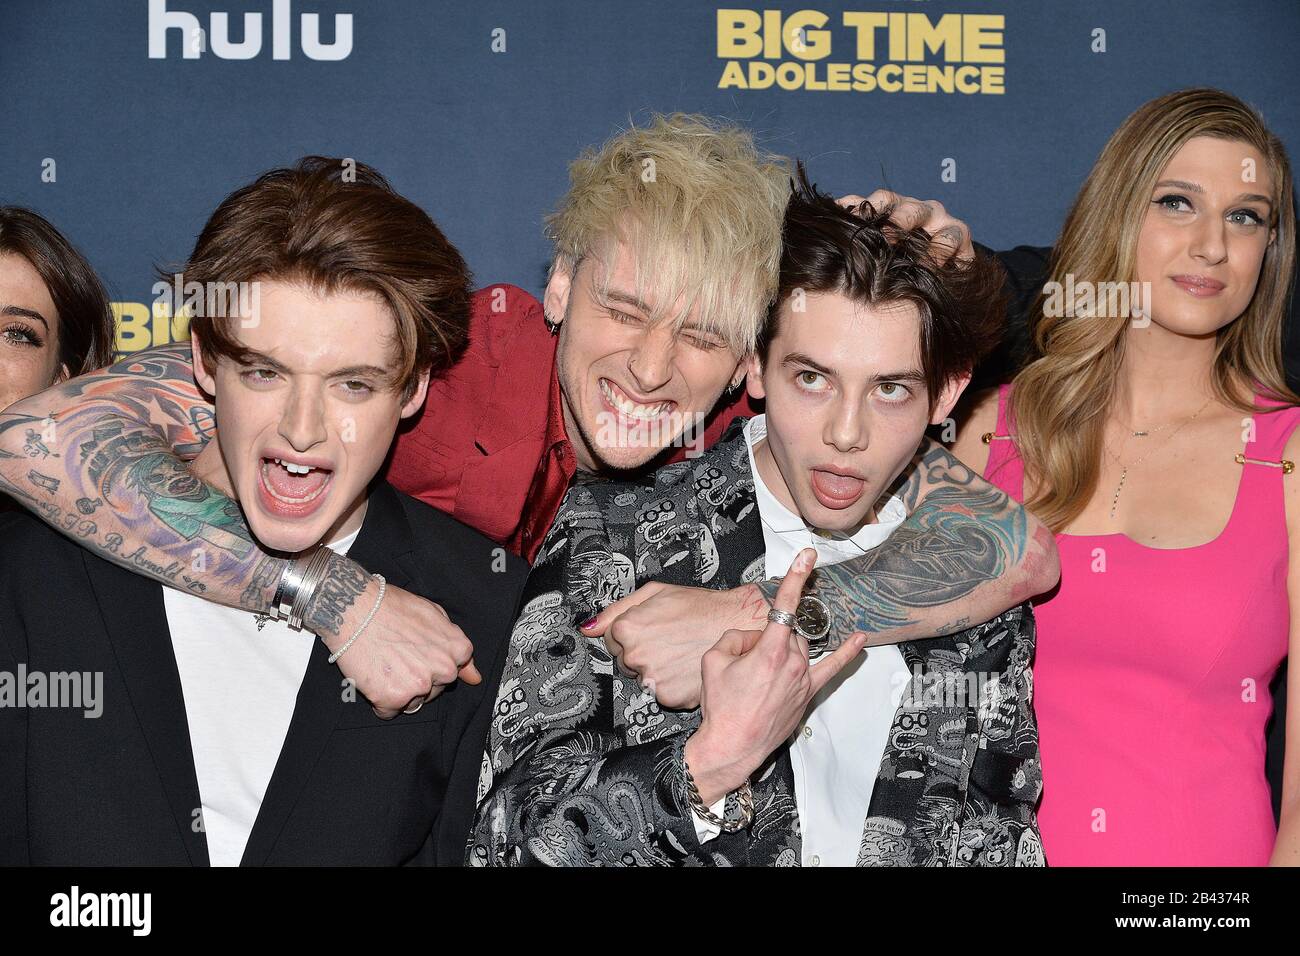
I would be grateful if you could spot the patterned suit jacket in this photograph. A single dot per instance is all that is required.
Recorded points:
(583, 767)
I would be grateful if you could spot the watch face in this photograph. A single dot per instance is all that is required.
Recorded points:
(813, 619)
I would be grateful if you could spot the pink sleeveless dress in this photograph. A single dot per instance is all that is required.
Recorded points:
(1151, 681)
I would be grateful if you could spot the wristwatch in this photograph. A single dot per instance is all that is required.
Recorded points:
(813, 622)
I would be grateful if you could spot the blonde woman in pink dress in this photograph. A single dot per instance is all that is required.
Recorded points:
(1155, 434)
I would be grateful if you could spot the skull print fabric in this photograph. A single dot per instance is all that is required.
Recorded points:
(584, 768)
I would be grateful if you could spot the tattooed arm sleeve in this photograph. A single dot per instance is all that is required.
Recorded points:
(101, 458)
(966, 553)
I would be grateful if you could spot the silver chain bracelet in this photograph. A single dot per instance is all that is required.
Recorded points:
(744, 798)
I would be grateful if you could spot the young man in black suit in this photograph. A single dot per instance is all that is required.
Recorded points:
(146, 725)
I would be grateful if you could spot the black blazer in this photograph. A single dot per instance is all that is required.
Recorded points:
(348, 788)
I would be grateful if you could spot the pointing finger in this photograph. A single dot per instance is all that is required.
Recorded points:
(825, 669)
(598, 625)
(791, 589)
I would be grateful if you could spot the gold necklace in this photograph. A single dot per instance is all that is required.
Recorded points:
(1123, 473)
(1146, 432)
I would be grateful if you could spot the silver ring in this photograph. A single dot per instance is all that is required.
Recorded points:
(417, 707)
(777, 616)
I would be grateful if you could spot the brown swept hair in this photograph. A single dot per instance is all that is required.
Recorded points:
(1061, 398)
(862, 255)
(336, 225)
(84, 315)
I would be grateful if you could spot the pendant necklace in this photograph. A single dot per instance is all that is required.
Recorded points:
(1123, 473)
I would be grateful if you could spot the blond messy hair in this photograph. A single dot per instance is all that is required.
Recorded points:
(699, 208)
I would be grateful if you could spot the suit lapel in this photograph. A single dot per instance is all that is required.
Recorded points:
(136, 622)
(925, 768)
(384, 545)
(716, 502)
(936, 653)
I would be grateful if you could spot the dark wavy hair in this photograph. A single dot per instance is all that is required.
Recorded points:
(861, 254)
(84, 316)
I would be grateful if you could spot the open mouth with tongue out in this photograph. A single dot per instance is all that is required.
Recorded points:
(292, 489)
(836, 490)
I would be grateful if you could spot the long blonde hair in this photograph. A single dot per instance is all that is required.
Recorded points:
(1061, 398)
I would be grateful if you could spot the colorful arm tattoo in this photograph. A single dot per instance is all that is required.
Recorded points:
(102, 458)
(965, 554)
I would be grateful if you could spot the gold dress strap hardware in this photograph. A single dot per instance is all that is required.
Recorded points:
(1286, 464)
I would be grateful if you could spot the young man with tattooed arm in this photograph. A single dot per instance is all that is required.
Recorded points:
(633, 358)
(921, 753)
(222, 736)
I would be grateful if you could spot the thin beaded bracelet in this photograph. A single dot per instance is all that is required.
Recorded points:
(383, 586)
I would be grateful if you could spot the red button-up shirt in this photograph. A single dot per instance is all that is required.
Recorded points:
(489, 446)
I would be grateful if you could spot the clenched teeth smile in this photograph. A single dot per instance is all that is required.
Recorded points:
(616, 398)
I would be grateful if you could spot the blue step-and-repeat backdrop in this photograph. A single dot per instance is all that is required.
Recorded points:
(126, 121)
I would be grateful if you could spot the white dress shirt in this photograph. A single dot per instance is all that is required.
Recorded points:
(240, 687)
(837, 749)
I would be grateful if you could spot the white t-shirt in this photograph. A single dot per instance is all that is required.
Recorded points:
(836, 751)
(241, 686)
